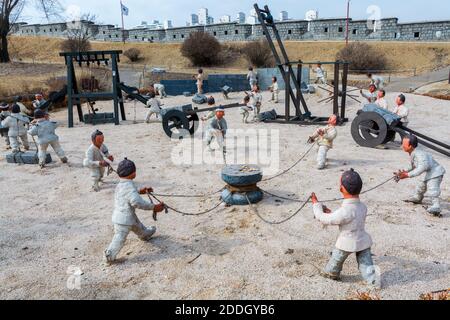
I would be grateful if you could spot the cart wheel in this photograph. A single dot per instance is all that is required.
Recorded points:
(176, 124)
(369, 129)
(193, 123)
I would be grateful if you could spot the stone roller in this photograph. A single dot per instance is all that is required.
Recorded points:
(241, 184)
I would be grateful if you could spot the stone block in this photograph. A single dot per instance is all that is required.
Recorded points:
(28, 157)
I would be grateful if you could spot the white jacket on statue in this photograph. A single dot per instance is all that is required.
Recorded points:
(351, 219)
(330, 133)
(45, 131)
(423, 162)
(126, 200)
(94, 155)
(16, 124)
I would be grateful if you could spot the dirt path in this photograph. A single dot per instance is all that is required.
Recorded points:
(411, 84)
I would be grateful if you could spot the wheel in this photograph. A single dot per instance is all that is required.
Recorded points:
(193, 123)
(369, 129)
(176, 124)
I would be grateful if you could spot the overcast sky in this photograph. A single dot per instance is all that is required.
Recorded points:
(108, 11)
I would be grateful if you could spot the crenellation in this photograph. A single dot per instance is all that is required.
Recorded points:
(387, 29)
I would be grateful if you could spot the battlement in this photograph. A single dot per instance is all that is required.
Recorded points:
(387, 29)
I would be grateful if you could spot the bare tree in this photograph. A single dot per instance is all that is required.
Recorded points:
(79, 33)
(10, 12)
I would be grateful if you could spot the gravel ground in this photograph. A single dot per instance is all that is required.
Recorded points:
(52, 225)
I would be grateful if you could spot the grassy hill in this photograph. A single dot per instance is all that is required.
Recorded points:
(39, 50)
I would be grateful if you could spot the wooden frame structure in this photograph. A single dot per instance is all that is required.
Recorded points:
(286, 68)
(74, 96)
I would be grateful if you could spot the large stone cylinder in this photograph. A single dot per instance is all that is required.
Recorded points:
(241, 185)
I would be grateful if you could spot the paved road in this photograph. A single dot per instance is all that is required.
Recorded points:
(411, 84)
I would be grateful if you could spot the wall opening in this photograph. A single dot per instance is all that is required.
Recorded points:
(325, 30)
(341, 29)
(416, 35)
(289, 31)
(215, 33)
(236, 31)
(226, 32)
(355, 31)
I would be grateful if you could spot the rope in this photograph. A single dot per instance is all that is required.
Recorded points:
(329, 200)
(277, 222)
(188, 196)
(190, 213)
(305, 202)
(291, 167)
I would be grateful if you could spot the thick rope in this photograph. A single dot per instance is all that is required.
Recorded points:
(277, 222)
(291, 167)
(188, 196)
(305, 202)
(190, 213)
(329, 200)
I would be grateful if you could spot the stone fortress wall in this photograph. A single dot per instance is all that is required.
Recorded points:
(321, 30)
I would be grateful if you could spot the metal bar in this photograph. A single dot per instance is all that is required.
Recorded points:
(425, 143)
(275, 52)
(115, 93)
(228, 106)
(94, 95)
(344, 90)
(74, 54)
(291, 71)
(119, 92)
(299, 80)
(76, 91)
(287, 82)
(446, 146)
(336, 90)
(70, 69)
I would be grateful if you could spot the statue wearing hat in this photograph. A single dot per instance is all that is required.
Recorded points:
(16, 124)
(324, 138)
(217, 128)
(351, 219)
(126, 200)
(4, 113)
(44, 129)
(97, 159)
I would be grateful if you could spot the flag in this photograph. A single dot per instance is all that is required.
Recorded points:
(124, 9)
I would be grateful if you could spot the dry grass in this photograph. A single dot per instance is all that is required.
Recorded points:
(400, 55)
(44, 54)
(438, 295)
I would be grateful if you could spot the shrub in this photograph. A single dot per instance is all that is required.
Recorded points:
(76, 44)
(258, 54)
(202, 49)
(134, 54)
(363, 57)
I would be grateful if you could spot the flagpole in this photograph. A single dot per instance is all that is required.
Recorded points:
(347, 23)
(123, 24)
